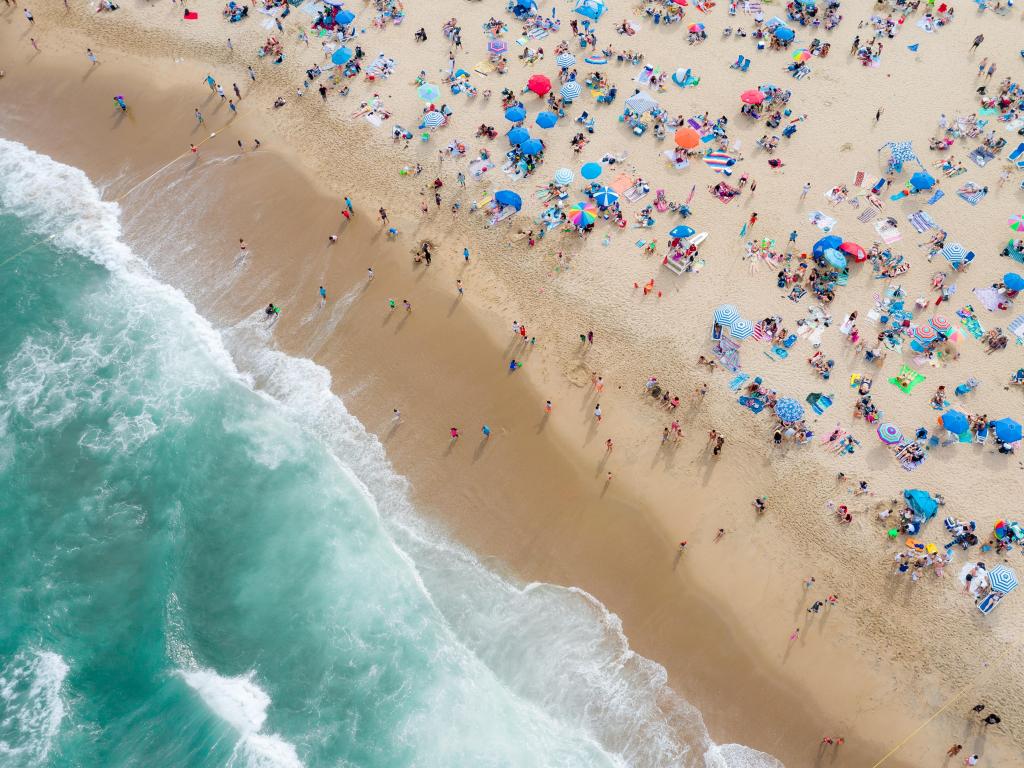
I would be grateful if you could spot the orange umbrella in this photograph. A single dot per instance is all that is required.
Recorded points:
(687, 138)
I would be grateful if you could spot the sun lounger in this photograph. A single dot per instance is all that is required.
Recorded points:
(635, 193)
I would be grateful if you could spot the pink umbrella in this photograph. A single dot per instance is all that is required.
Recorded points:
(753, 96)
(941, 324)
(925, 334)
(539, 84)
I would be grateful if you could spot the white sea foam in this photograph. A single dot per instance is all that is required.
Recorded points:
(558, 650)
(31, 706)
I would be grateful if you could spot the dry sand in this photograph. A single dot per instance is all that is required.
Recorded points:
(534, 497)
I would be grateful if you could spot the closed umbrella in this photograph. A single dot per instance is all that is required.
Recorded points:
(1013, 281)
(515, 114)
(341, 56)
(571, 90)
(563, 176)
(590, 171)
(428, 92)
(955, 421)
(565, 60)
(497, 47)
(681, 230)
(741, 329)
(788, 409)
(1007, 430)
(889, 433)
(1002, 579)
(726, 315)
(531, 147)
(432, 119)
(508, 197)
(539, 84)
(753, 96)
(606, 196)
(835, 259)
(546, 119)
(518, 136)
(829, 241)
(687, 138)
(583, 214)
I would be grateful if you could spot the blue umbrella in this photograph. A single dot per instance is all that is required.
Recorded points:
(829, 241)
(571, 90)
(784, 33)
(922, 180)
(341, 56)
(957, 255)
(606, 196)
(1013, 281)
(546, 119)
(531, 147)
(835, 258)
(432, 119)
(955, 422)
(565, 60)
(508, 197)
(682, 231)
(590, 171)
(344, 17)
(1007, 430)
(515, 114)
(1002, 579)
(726, 314)
(428, 92)
(518, 136)
(789, 409)
(741, 329)
(563, 176)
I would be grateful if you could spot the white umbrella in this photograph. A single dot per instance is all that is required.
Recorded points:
(563, 176)
(571, 90)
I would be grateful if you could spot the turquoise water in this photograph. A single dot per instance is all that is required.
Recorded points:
(195, 576)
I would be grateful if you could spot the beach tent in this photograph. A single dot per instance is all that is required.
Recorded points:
(523, 8)
(921, 503)
(641, 102)
(592, 9)
(900, 152)
(508, 197)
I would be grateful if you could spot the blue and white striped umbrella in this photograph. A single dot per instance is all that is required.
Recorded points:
(641, 102)
(1002, 579)
(606, 196)
(726, 315)
(789, 409)
(432, 119)
(564, 176)
(565, 60)
(741, 329)
(955, 254)
(571, 90)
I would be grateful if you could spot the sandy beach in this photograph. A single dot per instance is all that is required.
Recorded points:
(534, 499)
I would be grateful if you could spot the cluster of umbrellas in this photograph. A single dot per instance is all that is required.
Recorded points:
(834, 250)
(520, 137)
(1007, 430)
(728, 317)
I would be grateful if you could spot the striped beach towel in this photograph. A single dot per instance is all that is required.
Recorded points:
(760, 333)
(921, 221)
(719, 161)
(752, 7)
(867, 215)
(972, 197)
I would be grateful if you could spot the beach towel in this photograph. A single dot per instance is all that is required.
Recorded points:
(887, 232)
(981, 156)
(796, 293)
(921, 222)
(718, 161)
(1016, 327)
(972, 326)
(971, 197)
(818, 402)
(858, 180)
(634, 192)
(760, 333)
(866, 215)
(821, 221)
(645, 75)
(679, 164)
(753, 403)
(737, 382)
(937, 195)
(621, 183)
(194, 15)
(989, 297)
(484, 68)
(915, 379)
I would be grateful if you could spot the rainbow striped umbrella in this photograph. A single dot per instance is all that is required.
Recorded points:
(583, 214)
(941, 324)
(1017, 222)
(801, 55)
(889, 433)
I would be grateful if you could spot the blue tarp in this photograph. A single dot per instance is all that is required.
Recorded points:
(921, 503)
(592, 9)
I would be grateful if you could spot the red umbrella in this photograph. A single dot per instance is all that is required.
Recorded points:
(753, 96)
(539, 84)
(852, 249)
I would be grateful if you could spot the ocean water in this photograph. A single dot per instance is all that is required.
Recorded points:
(209, 562)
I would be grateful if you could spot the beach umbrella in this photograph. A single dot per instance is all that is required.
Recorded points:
(531, 147)
(785, 34)
(680, 2)
(606, 196)
(432, 119)
(753, 96)
(698, 27)
(344, 17)
(889, 433)
(955, 422)
(925, 334)
(829, 241)
(682, 230)
(1016, 222)
(497, 47)
(428, 92)
(597, 61)
(834, 258)
(641, 102)
(515, 114)
(726, 315)
(583, 213)
(801, 55)
(571, 90)
(1007, 430)
(852, 249)
(518, 136)
(546, 119)
(1013, 281)
(565, 60)
(563, 176)
(590, 171)
(1002, 579)
(788, 409)
(341, 56)
(508, 197)
(922, 180)
(687, 138)
(539, 84)
(957, 255)
(741, 329)
(941, 324)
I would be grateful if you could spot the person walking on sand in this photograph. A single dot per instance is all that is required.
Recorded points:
(91, 57)
(752, 221)
(252, 73)
(719, 535)
(807, 188)
(323, 295)
(383, 215)
(232, 106)
(453, 432)
(878, 114)
(348, 204)
(972, 760)
(210, 81)
(407, 305)
(369, 278)
(35, 44)
(718, 445)
(597, 413)
(29, 16)
(608, 445)
(238, 92)
(977, 41)
(199, 116)
(795, 635)
(458, 287)
(954, 750)
(220, 92)
(486, 431)
(590, 337)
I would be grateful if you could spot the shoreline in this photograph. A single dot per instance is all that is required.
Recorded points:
(653, 629)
